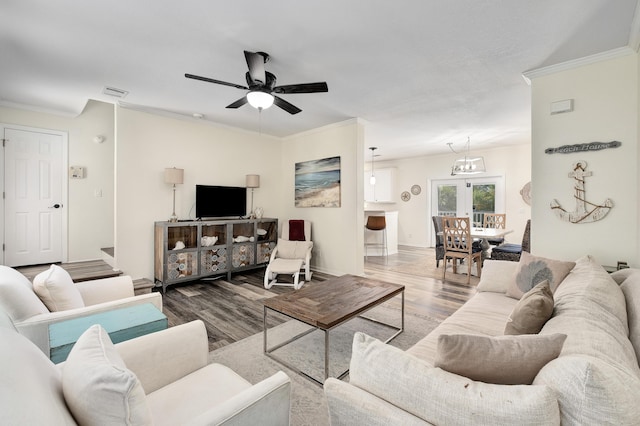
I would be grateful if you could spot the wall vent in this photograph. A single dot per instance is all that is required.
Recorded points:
(112, 91)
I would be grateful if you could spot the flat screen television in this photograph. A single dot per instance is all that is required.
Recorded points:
(220, 201)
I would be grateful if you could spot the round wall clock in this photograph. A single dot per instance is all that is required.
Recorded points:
(415, 189)
(405, 196)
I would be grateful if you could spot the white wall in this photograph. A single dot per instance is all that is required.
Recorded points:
(90, 223)
(147, 144)
(606, 108)
(337, 232)
(414, 216)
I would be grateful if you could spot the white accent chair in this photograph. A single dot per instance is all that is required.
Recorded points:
(290, 257)
(178, 385)
(31, 317)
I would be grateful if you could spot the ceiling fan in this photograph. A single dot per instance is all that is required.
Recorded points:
(262, 86)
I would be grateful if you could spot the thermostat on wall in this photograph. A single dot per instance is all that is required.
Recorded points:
(76, 172)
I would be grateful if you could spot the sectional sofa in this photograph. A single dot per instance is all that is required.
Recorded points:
(594, 380)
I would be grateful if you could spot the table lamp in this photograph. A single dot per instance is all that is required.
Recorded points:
(253, 181)
(174, 176)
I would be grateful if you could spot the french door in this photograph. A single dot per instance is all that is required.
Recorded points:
(470, 197)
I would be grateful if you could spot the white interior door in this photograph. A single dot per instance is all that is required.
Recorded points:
(34, 196)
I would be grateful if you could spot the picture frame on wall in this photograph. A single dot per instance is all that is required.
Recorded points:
(317, 183)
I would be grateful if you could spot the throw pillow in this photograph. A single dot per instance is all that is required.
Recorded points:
(97, 386)
(532, 270)
(496, 275)
(532, 311)
(433, 394)
(296, 230)
(57, 290)
(293, 249)
(505, 360)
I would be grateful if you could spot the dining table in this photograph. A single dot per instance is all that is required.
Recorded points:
(484, 235)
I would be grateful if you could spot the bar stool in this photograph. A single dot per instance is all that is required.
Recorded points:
(377, 223)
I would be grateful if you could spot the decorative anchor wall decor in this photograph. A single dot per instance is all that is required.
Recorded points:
(585, 211)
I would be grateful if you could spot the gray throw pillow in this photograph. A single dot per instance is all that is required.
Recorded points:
(532, 270)
(503, 360)
(532, 311)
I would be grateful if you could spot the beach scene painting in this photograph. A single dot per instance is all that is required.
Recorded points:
(318, 183)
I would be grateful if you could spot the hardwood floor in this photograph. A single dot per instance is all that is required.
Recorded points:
(79, 271)
(233, 310)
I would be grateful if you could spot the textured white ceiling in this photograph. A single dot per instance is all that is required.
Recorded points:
(421, 73)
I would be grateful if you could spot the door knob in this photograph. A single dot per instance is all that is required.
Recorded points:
(56, 206)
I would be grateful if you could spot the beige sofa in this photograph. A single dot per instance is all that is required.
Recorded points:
(594, 381)
(32, 318)
(178, 386)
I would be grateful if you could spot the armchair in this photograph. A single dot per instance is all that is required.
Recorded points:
(31, 317)
(173, 384)
(291, 255)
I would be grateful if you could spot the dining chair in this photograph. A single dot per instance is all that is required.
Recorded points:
(458, 244)
(496, 221)
(437, 228)
(512, 252)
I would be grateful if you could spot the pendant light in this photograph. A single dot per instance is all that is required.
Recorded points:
(372, 179)
(467, 165)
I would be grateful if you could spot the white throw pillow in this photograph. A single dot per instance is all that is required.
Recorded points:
(497, 275)
(293, 249)
(97, 386)
(57, 290)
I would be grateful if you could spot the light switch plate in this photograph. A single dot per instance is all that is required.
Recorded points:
(76, 172)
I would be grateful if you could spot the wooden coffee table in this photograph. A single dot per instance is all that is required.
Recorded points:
(328, 304)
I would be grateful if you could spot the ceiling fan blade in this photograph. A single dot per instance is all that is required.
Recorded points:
(290, 108)
(255, 62)
(211, 80)
(238, 103)
(303, 88)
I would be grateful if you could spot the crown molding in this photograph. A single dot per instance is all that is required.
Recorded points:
(577, 63)
(41, 110)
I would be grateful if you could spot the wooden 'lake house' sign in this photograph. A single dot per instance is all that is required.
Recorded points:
(581, 147)
(585, 211)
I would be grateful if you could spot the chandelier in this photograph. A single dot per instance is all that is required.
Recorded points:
(467, 165)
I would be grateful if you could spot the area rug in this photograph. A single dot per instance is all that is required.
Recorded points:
(425, 266)
(308, 404)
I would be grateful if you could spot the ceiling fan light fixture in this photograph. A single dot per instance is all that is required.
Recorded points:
(259, 99)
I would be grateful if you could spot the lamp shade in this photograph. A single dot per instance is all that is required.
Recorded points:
(259, 99)
(253, 181)
(173, 175)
